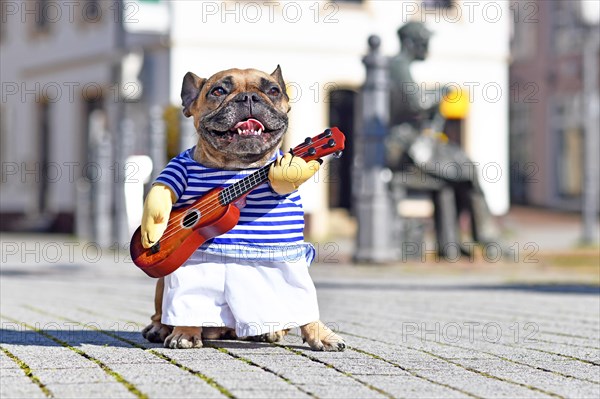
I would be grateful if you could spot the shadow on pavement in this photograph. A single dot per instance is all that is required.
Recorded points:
(15, 334)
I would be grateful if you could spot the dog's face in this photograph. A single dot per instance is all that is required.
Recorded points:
(240, 116)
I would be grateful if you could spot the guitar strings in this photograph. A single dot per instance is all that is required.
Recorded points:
(175, 225)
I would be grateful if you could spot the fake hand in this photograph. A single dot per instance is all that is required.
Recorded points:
(288, 173)
(157, 208)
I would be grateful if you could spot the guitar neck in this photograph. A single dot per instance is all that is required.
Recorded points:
(242, 187)
(331, 141)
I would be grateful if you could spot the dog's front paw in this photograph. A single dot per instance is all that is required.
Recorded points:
(156, 332)
(320, 337)
(184, 338)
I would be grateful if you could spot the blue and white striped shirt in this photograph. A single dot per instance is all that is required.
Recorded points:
(270, 224)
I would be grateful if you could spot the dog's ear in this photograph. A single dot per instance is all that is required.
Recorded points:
(279, 78)
(190, 89)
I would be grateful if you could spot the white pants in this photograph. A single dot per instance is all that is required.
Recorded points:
(254, 297)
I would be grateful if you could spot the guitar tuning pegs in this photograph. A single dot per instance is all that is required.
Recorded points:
(307, 141)
(337, 154)
(327, 133)
(331, 143)
(312, 151)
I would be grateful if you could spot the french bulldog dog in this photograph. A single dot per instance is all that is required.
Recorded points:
(241, 116)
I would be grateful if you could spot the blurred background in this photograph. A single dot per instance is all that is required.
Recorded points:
(90, 109)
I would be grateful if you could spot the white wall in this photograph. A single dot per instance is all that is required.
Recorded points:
(470, 48)
(311, 54)
(473, 52)
(57, 65)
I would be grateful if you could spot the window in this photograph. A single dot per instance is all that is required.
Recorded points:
(566, 27)
(568, 145)
(437, 3)
(42, 10)
(90, 105)
(341, 114)
(520, 156)
(40, 15)
(92, 11)
(43, 142)
(525, 31)
(3, 22)
(4, 128)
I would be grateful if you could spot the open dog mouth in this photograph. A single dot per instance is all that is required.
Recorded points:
(249, 127)
(246, 129)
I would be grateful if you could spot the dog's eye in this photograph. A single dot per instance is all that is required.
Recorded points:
(218, 91)
(274, 91)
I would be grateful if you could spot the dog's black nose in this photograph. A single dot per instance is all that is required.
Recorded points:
(247, 97)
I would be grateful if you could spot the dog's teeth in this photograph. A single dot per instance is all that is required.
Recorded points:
(249, 132)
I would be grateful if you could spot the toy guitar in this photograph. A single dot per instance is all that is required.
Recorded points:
(216, 212)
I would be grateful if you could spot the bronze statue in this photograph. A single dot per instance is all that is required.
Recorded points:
(420, 160)
(409, 103)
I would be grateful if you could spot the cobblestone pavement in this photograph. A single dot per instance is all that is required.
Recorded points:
(71, 319)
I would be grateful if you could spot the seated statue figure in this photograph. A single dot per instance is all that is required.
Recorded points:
(415, 143)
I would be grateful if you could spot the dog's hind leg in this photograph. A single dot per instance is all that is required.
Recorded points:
(320, 337)
(156, 331)
(218, 333)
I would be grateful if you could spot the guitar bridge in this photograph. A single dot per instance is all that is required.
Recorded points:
(155, 248)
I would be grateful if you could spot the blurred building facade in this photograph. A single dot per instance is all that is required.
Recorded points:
(319, 46)
(59, 65)
(547, 105)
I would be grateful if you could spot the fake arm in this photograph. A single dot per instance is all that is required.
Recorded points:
(157, 208)
(288, 172)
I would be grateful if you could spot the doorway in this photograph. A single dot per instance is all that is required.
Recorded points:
(342, 114)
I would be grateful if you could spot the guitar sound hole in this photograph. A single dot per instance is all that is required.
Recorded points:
(191, 218)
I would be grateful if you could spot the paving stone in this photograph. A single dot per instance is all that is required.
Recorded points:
(72, 376)
(7, 363)
(411, 387)
(41, 357)
(19, 387)
(169, 391)
(90, 390)
(6, 373)
(118, 355)
(344, 391)
(268, 393)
